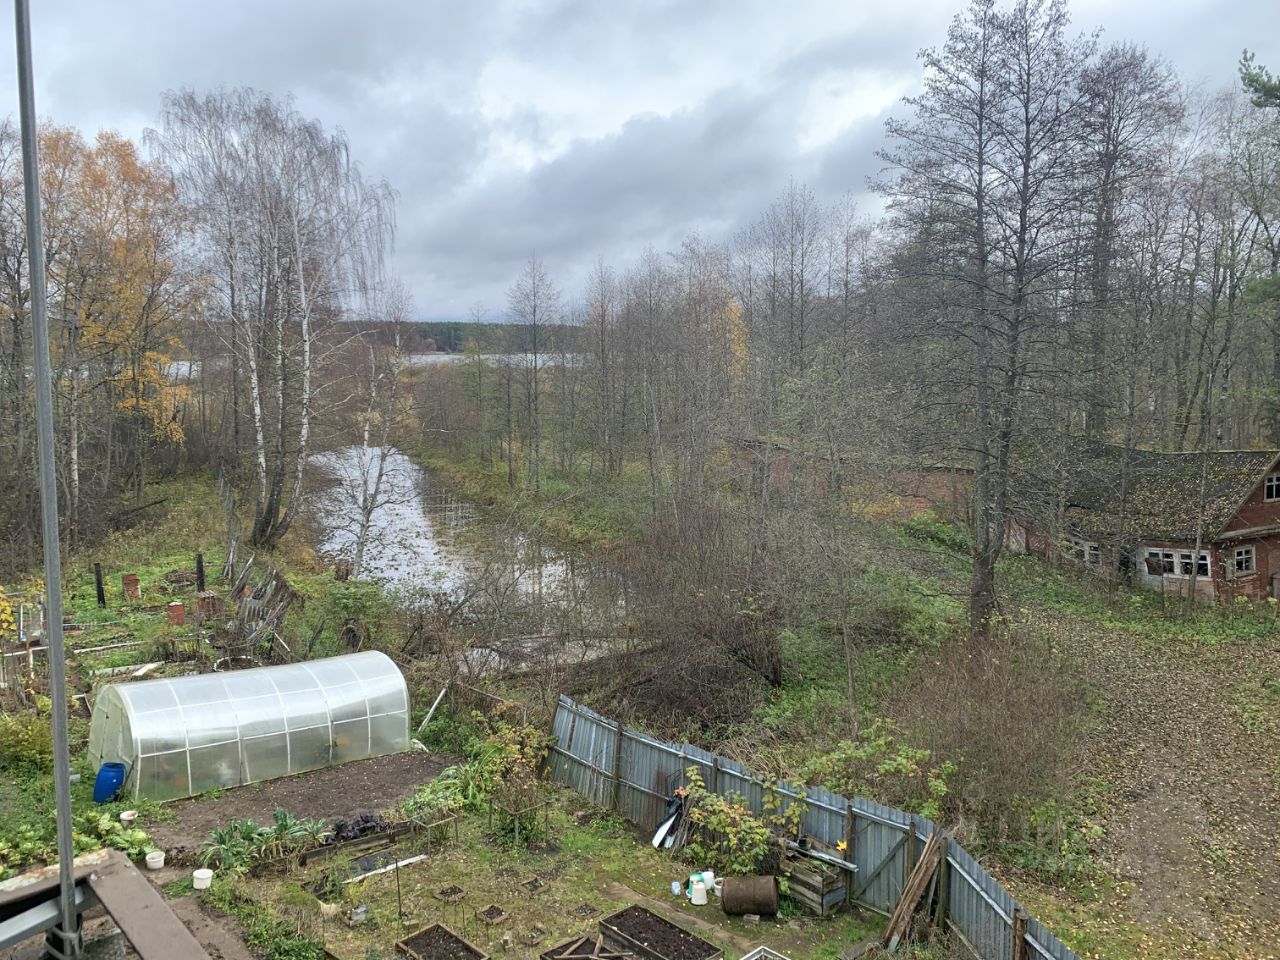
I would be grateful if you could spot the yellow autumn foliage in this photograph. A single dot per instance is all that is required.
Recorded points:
(119, 282)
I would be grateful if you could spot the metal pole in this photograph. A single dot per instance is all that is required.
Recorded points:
(48, 488)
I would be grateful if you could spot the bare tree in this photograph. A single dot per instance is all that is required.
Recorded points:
(534, 302)
(292, 233)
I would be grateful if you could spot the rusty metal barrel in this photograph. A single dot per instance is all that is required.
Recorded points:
(742, 895)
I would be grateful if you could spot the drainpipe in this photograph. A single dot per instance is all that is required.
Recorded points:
(64, 940)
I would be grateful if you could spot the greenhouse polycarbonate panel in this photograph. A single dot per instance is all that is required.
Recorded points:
(186, 735)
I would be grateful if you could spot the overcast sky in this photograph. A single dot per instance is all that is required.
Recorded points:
(575, 128)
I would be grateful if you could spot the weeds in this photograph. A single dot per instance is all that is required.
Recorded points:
(273, 938)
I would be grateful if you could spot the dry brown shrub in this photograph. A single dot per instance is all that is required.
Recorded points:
(1013, 718)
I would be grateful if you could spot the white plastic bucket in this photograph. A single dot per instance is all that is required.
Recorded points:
(201, 878)
(127, 817)
(155, 859)
(699, 897)
(719, 887)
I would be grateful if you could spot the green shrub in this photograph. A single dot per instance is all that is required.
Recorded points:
(878, 764)
(26, 742)
(1057, 845)
(931, 528)
(725, 833)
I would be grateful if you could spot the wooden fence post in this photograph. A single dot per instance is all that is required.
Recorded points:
(1020, 919)
(715, 773)
(199, 573)
(617, 765)
(97, 583)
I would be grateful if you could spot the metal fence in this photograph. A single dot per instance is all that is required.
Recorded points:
(623, 769)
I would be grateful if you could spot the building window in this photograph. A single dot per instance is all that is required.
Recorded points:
(1272, 489)
(1184, 565)
(1244, 558)
(1170, 563)
(1086, 552)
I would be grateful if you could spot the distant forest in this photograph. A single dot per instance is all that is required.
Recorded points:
(451, 336)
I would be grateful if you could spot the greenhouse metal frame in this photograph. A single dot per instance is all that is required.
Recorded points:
(182, 736)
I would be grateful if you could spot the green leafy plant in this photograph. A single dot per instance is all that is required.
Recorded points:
(724, 832)
(239, 845)
(498, 752)
(878, 764)
(92, 831)
(1057, 845)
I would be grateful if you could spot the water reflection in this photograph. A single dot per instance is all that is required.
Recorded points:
(521, 596)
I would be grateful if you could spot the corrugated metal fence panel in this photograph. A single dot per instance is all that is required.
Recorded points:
(1045, 944)
(979, 908)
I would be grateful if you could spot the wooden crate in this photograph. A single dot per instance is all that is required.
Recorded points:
(816, 886)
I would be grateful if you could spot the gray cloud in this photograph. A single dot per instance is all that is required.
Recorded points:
(571, 127)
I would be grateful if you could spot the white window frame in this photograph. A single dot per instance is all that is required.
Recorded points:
(1271, 487)
(1086, 552)
(1184, 564)
(1172, 563)
(1248, 556)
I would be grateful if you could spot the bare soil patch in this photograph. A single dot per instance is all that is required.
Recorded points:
(343, 791)
(439, 943)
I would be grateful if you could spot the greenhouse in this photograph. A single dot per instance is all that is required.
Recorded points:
(182, 736)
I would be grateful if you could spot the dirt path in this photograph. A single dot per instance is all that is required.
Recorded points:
(220, 936)
(358, 787)
(1188, 744)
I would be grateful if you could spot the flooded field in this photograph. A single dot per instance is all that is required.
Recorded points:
(426, 546)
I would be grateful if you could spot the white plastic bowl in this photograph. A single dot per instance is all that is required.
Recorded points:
(201, 878)
(155, 859)
(128, 816)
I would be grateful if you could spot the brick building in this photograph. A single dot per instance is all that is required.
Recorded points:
(1138, 512)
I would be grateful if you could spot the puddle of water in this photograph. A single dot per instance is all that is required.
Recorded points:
(408, 544)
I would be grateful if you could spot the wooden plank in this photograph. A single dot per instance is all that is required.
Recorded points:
(140, 913)
(920, 879)
(944, 889)
(1020, 951)
(913, 851)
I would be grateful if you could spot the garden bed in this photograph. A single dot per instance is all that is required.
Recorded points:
(648, 935)
(438, 942)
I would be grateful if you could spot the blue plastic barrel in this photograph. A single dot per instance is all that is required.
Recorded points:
(109, 781)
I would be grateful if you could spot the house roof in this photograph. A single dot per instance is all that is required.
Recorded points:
(1109, 493)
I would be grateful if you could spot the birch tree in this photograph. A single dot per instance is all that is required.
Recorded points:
(291, 235)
